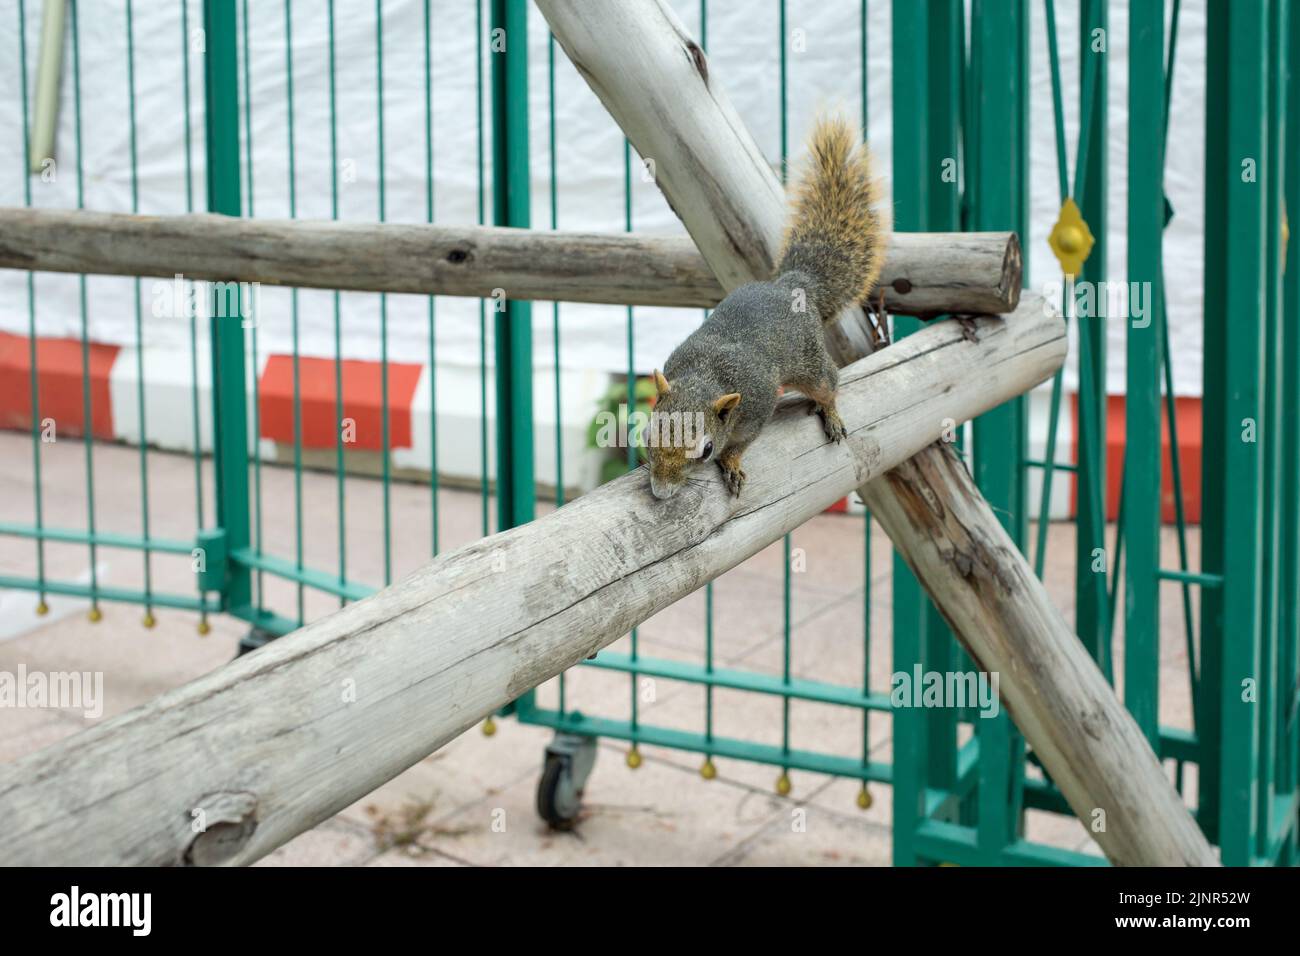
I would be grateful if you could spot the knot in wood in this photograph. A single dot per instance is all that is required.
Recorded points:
(229, 820)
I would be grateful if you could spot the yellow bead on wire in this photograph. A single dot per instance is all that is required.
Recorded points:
(1071, 239)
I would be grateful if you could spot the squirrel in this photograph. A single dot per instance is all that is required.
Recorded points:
(720, 386)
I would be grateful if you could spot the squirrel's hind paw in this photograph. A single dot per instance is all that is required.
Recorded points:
(832, 424)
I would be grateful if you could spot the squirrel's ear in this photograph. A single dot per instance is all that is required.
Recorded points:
(722, 406)
(661, 383)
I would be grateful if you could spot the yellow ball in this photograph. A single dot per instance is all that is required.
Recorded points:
(42, 609)
(149, 620)
(95, 615)
(864, 798)
(708, 771)
(634, 758)
(1070, 239)
(489, 727)
(204, 628)
(783, 785)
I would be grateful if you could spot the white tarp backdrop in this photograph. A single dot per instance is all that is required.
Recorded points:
(743, 37)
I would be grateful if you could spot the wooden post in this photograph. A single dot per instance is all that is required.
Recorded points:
(277, 741)
(658, 85)
(925, 274)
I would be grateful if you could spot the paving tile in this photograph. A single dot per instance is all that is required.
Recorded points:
(810, 836)
(330, 844)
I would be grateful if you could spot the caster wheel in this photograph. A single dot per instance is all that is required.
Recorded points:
(568, 763)
(254, 639)
(558, 803)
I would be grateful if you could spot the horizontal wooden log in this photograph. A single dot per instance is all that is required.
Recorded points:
(660, 88)
(925, 273)
(279, 740)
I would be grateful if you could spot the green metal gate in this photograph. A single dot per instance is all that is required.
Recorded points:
(961, 785)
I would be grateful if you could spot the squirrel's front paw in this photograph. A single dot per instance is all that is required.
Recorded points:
(832, 424)
(733, 475)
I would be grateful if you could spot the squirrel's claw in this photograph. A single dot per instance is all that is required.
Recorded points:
(734, 476)
(832, 424)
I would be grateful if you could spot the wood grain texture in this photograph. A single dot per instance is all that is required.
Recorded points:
(279, 740)
(658, 85)
(924, 274)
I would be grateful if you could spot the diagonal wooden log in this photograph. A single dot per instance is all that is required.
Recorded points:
(657, 84)
(924, 273)
(272, 743)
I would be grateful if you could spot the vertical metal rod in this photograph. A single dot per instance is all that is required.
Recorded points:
(1232, 536)
(997, 139)
(385, 439)
(88, 432)
(229, 395)
(1289, 626)
(259, 577)
(1142, 466)
(510, 207)
(32, 357)
(195, 414)
(926, 51)
(1270, 694)
(294, 318)
(787, 595)
(513, 325)
(1091, 618)
(554, 150)
(340, 467)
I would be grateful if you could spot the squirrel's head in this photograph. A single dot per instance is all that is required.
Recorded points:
(689, 428)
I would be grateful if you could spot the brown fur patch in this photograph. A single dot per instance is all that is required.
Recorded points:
(837, 231)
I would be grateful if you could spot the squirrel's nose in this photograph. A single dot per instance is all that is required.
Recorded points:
(661, 489)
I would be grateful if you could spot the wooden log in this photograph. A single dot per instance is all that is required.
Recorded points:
(925, 273)
(656, 82)
(279, 740)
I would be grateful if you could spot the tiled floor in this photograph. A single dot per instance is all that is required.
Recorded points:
(473, 802)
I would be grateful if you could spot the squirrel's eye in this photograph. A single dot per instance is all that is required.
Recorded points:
(707, 452)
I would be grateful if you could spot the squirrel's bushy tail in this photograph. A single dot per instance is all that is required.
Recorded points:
(837, 231)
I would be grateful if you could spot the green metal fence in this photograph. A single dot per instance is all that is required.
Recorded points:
(962, 786)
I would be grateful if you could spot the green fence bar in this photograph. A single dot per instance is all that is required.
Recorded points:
(1236, 143)
(1289, 628)
(229, 383)
(294, 316)
(1091, 618)
(250, 210)
(38, 509)
(997, 144)
(927, 96)
(1270, 694)
(1142, 467)
(508, 42)
(84, 310)
(196, 430)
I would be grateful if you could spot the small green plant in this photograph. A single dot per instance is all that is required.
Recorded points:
(612, 407)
